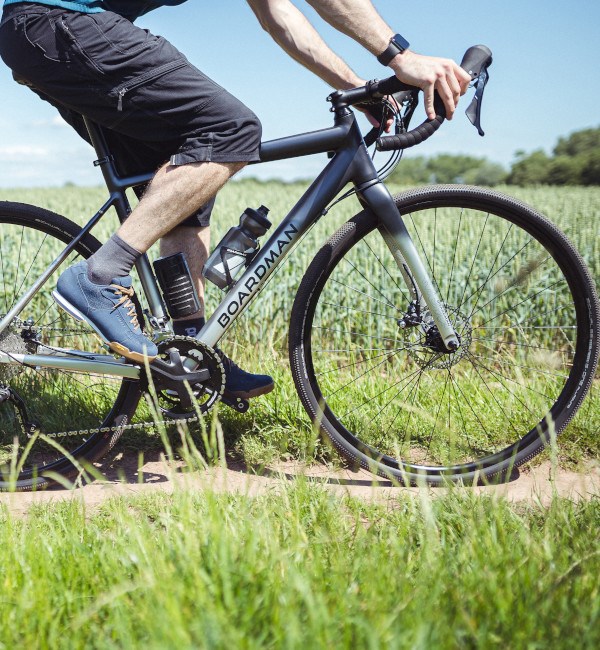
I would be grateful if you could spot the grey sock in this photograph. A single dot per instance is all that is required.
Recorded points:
(189, 327)
(113, 260)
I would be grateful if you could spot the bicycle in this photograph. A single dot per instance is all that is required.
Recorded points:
(445, 334)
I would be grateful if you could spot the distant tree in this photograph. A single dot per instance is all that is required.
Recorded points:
(590, 174)
(575, 161)
(447, 168)
(412, 171)
(530, 169)
(488, 173)
(580, 142)
(564, 170)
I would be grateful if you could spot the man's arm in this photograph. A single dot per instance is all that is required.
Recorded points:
(359, 20)
(291, 30)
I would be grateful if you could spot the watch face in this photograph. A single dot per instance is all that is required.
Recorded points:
(401, 43)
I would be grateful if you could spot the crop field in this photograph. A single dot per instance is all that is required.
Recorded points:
(300, 566)
(276, 425)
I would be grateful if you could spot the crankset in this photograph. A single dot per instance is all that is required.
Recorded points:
(188, 376)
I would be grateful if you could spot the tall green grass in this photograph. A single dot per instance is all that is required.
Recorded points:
(301, 568)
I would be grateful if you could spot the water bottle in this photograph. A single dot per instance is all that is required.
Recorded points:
(177, 286)
(236, 250)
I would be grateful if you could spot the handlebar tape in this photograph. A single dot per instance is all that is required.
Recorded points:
(474, 60)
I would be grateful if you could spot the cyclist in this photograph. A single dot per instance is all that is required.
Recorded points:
(87, 57)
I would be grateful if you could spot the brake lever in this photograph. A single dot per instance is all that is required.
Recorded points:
(473, 111)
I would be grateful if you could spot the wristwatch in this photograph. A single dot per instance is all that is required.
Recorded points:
(397, 45)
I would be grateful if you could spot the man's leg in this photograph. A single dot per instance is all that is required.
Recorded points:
(174, 193)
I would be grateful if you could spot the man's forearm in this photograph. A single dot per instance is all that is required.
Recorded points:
(291, 30)
(358, 19)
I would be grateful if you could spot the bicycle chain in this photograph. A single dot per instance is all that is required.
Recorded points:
(122, 428)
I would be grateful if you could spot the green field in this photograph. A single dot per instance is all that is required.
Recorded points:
(276, 426)
(300, 567)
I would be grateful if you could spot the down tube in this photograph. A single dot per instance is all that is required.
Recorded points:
(308, 209)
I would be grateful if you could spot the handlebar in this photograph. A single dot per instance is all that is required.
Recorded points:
(476, 61)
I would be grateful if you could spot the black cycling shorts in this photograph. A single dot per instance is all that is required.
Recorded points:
(156, 106)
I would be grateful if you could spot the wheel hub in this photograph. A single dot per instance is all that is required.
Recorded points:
(425, 345)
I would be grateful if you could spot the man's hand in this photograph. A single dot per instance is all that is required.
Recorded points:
(431, 74)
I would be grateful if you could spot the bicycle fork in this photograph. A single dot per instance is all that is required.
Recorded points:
(398, 240)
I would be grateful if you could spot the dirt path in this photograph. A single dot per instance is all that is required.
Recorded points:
(123, 478)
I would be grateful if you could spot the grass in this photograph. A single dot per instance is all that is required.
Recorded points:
(301, 568)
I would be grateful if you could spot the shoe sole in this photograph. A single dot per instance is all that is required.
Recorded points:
(113, 345)
(256, 392)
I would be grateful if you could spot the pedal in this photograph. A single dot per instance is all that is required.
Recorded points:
(236, 403)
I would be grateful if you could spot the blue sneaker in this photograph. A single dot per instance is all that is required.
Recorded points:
(240, 383)
(107, 308)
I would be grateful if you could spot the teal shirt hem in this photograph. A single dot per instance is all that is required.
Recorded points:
(83, 7)
(130, 9)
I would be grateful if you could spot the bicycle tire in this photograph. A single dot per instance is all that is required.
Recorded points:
(528, 323)
(30, 238)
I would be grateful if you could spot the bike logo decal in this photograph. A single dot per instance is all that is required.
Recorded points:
(250, 286)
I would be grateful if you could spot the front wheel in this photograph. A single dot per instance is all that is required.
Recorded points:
(374, 376)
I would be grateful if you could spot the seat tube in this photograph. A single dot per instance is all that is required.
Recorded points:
(403, 250)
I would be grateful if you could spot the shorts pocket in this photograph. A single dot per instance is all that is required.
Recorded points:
(146, 78)
(40, 32)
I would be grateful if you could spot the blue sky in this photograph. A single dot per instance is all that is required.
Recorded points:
(544, 80)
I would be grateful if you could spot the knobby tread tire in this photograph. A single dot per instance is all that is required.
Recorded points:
(532, 443)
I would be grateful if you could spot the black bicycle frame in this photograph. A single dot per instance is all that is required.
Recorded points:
(350, 162)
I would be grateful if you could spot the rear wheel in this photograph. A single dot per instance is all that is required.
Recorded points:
(48, 416)
(375, 376)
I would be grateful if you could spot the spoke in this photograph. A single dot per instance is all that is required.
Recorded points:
(436, 416)
(531, 390)
(466, 284)
(364, 373)
(356, 363)
(384, 268)
(513, 307)
(514, 344)
(31, 265)
(367, 336)
(454, 256)
(360, 311)
(362, 293)
(510, 363)
(468, 402)
(398, 393)
(385, 390)
(507, 290)
(484, 283)
(368, 281)
(434, 279)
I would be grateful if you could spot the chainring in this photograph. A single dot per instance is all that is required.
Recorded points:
(184, 400)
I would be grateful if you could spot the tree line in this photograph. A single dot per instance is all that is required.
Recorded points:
(575, 160)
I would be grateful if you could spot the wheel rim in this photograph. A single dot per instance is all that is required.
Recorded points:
(56, 401)
(389, 395)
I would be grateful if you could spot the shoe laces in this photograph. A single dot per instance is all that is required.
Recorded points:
(126, 294)
(228, 364)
